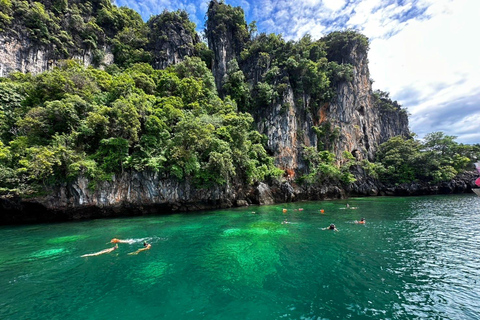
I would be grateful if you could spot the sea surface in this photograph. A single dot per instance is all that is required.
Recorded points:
(415, 258)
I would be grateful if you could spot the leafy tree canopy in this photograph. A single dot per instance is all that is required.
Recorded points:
(75, 121)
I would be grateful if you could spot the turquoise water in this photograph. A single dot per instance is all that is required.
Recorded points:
(415, 258)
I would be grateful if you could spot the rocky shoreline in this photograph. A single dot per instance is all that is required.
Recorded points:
(140, 193)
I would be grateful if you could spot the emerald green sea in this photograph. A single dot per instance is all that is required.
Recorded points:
(415, 258)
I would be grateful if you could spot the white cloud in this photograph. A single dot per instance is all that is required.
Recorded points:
(438, 57)
(334, 5)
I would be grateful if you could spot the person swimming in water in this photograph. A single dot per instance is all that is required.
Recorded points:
(115, 240)
(146, 246)
(101, 252)
(362, 221)
(331, 227)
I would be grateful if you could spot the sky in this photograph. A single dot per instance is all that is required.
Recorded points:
(425, 53)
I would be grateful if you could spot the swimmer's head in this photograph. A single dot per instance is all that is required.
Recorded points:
(145, 243)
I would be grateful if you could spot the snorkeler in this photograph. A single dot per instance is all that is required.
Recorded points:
(146, 246)
(362, 221)
(331, 227)
(101, 252)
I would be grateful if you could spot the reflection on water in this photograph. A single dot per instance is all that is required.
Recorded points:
(415, 258)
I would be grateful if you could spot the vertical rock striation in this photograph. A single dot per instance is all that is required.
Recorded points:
(363, 126)
(291, 120)
(226, 34)
(19, 53)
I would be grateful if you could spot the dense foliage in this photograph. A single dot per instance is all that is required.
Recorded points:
(74, 27)
(74, 121)
(273, 65)
(267, 66)
(324, 169)
(384, 103)
(434, 159)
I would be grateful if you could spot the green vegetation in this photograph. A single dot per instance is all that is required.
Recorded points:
(323, 168)
(225, 19)
(341, 44)
(301, 66)
(437, 158)
(74, 121)
(434, 159)
(383, 102)
(77, 27)
(276, 64)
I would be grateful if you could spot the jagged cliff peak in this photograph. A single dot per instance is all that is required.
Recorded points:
(227, 34)
(305, 93)
(172, 37)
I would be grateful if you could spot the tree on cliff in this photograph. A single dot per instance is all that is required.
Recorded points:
(74, 121)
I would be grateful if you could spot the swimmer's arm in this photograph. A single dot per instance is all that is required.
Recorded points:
(140, 250)
(96, 253)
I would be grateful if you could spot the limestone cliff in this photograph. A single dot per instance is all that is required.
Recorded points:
(363, 125)
(126, 194)
(172, 38)
(337, 113)
(345, 118)
(19, 53)
(96, 33)
(226, 34)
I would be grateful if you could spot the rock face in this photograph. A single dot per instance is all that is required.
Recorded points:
(128, 193)
(363, 126)
(148, 193)
(18, 53)
(172, 39)
(289, 121)
(135, 193)
(226, 37)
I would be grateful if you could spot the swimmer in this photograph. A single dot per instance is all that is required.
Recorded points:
(331, 227)
(348, 206)
(285, 221)
(362, 221)
(101, 252)
(146, 246)
(115, 240)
